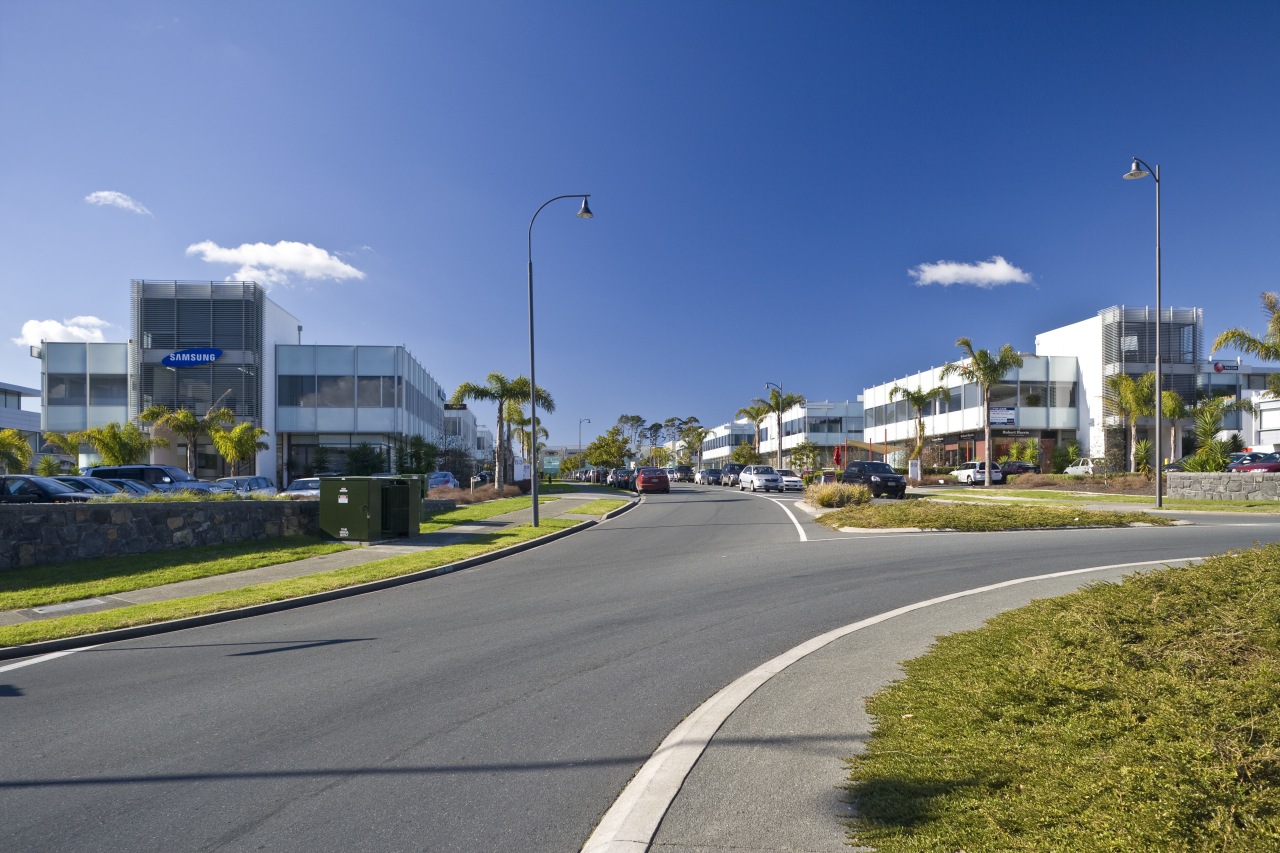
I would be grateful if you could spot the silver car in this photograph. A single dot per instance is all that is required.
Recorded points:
(790, 480)
(756, 477)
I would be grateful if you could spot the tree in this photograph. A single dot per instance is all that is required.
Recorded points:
(120, 445)
(745, 454)
(15, 451)
(1266, 347)
(917, 399)
(986, 370)
(631, 426)
(1132, 399)
(186, 425)
(419, 456)
(659, 457)
(610, 450)
(501, 390)
(49, 466)
(777, 403)
(1174, 410)
(693, 437)
(753, 412)
(66, 444)
(805, 455)
(364, 459)
(239, 444)
(1213, 453)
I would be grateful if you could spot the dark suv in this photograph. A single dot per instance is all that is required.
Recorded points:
(156, 475)
(729, 473)
(879, 477)
(682, 474)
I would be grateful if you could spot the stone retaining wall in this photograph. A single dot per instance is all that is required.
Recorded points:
(1241, 486)
(41, 534)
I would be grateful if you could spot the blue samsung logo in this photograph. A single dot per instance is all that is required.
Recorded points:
(192, 357)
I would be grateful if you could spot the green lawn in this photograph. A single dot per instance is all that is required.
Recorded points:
(143, 614)
(1066, 497)
(603, 506)
(479, 512)
(40, 585)
(978, 516)
(1138, 716)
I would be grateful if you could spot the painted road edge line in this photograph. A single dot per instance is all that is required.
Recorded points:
(632, 821)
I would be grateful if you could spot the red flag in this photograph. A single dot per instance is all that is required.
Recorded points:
(839, 456)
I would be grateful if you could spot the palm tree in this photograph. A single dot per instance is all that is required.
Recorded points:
(120, 445)
(776, 404)
(67, 444)
(1173, 409)
(917, 399)
(1132, 399)
(1266, 347)
(754, 412)
(986, 370)
(186, 425)
(15, 451)
(1211, 452)
(693, 437)
(500, 390)
(239, 444)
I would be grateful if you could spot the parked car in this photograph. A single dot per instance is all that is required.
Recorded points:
(250, 485)
(29, 489)
(879, 477)
(974, 471)
(652, 480)
(755, 477)
(156, 475)
(790, 480)
(710, 476)
(1239, 459)
(197, 486)
(306, 488)
(1017, 466)
(1086, 467)
(442, 480)
(88, 484)
(682, 474)
(1269, 463)
(729, 473)
(136, 488)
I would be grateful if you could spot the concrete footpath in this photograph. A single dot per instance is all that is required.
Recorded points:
(458, 534)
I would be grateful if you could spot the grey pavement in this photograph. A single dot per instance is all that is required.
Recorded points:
(359, 555)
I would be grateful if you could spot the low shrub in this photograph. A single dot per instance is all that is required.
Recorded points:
(487, 492)
(833, 495)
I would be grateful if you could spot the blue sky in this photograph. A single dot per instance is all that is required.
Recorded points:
(819, 194)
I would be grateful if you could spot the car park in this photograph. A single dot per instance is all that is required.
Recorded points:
(1086, 467)
(729, 473)
(879, 477)
(756, 477)
(974, 471)
(93, 485)
(305, 488)
(790, 480)
(652, 480)
(30, 489)
(261, 486)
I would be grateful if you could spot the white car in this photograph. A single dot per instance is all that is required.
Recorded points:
(249, 485)
(304, 488)
(790, 480)
(976, 471)
(755, 477)
(1086, 467)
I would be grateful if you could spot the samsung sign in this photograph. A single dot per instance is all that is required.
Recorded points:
(192, 357)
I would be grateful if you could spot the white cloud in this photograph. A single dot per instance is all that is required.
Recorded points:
(75, 330)
(110, 198)
(985, 274)
(272, 265)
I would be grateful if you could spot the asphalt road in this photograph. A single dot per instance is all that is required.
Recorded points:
(500, 708)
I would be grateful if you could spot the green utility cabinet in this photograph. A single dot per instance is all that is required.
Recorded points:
(368, 509)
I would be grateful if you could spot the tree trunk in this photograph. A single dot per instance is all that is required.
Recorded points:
(986, 436)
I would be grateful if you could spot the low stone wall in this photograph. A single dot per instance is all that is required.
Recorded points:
(1241, 486)
(41, 534)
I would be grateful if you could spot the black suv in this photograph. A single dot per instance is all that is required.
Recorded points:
(156, 475)
(682, 474)
(729, 473)
(879, 477)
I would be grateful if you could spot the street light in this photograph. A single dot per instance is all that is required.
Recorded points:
(778, 424)
(1138, 171)
(583, 213)
(581, 421)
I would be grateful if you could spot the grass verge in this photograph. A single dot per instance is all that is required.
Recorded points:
(1143, 715)
(144, 614)
(40, 585)
(1065, 497)
(602, 506)
(478, 512)
(930, 515)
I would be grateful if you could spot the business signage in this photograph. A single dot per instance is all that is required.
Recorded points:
(195, 357)
(1002, 416)
(1218, 367)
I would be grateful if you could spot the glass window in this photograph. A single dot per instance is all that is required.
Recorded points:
(334, 361)
(377, 361)
(335, 392)
(972, 395)
(955, 399)
(1034, 394)
(67, 390)
(296, 391)
(109, 390)
(1004, 394)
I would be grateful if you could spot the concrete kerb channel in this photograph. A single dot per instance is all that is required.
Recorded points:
(136, 631)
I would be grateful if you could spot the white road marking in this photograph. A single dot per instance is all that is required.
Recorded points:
(42, 658)
(631, 822)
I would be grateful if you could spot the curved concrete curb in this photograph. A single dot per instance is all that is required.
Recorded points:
(631, 823)
(84, 640)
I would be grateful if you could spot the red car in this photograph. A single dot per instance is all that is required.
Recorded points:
(1270, 462)
(653, 480)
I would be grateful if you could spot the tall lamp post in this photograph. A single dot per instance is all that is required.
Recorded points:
(1138, 171)
(584, 213)
(581, 421)
(778, 423)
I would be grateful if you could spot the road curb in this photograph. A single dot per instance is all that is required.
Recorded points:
(133, 632)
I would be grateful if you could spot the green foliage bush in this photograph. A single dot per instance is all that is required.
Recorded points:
(833, 495)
